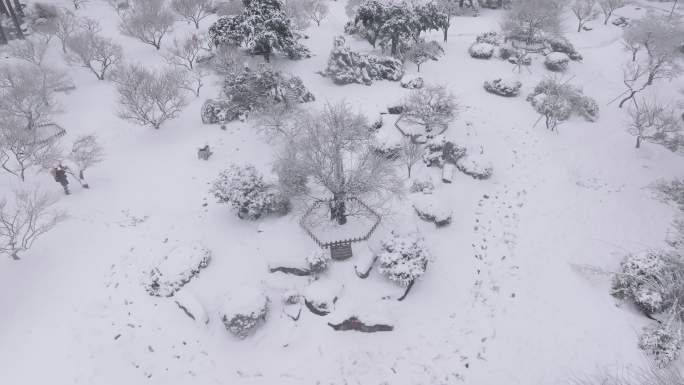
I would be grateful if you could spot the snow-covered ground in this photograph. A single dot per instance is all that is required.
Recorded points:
(506, 298)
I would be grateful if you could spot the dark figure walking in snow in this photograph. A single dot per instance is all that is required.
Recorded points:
(60, 175)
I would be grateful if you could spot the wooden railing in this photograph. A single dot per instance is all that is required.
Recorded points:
(331, 244)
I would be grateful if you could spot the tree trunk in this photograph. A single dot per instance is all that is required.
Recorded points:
(18, 7)
(15, 20)
(196, 24)
(579, 27)
(3, 9)
(395, 43)
(638, 141)
(445, 31)
(15, 256)
(3, 37)
(338, 209)
(631, 96)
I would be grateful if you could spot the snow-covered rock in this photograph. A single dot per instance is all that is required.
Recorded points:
(557, 61)
(481, 50)
(191, 306)
(320, 297)
(244, 311)
(176, 268)
(475, 165)
(503, 86)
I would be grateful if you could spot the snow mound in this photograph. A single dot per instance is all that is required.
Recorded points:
(320, 297)
(474, 164)
(503, 87)
(412, 81)
(191, 306)
(557, 61)
(178, 266)
(431, 209)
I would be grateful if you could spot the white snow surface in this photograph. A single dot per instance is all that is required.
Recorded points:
(499, 304)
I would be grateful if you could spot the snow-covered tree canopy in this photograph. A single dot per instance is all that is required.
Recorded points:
(262, 28)
(529, 20)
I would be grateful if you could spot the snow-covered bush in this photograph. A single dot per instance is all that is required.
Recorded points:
(318, 261)
(663, 342)
(175, 269)
(503, 87)
(247, 192)
(556, 43)
(672, 191)
(431, 107)
(475, 165)
(424, 186)
(493, 38)
(412, 82)
(422, 51)
(439, 151)
(432, 210)
(651, 280)
(481, 50)
(262, 28)
(346, 66)
(558, 101)
(557, 61)
(403, 258)
(244, 312)
(252, 90)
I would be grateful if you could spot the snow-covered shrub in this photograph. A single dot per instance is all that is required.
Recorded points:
(474, 165)
(412, 82)
(249, 90)
(672, 191)
(432, 210)
(439, 151)
(175, 269)
(403, 258)
(651, 280)
(424, 186)
(663, 342)
(243, 312)
(556, 43)
(557, 61)
(422, 51)
(493, 38)
(318, 260)
(431, 107)
(346, 66)
(503, 87)
(245, 189)
(219, 110)
(481, 50)
(551, 96)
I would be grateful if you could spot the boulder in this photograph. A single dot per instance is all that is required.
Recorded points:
(243, 312)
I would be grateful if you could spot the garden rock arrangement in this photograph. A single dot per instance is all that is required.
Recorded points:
(176, 268)
(244, 312)
(346, 66)
(503, 87)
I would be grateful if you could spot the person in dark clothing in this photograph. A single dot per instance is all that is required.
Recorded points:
(60, 175)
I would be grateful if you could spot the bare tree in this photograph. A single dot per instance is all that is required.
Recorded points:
(315, 10)
(422, 51)
(658, 36)
(528, 20)
(22, 149)
(608, 7)
(294, 10)
(584, 11)
(27, 218)
(85, 152)
(333, 149)
(656, 123)
(149, 98)
(120, 6)
(184, 53)
(430, 107)
(193, 80)
(148, 21)
(27, 93)
(65, 24)
(411, 152)
(193, 10)
(90, 50)
(31, 49)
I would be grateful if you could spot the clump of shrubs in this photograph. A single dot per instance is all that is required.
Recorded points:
(346, 66)
(244, 312)
(481, 50)
(663, 342)
(403, 259)
(503, 87)
(556, 61)
(493, 38)
(554, 43)
(250, 90)
(246, 191)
